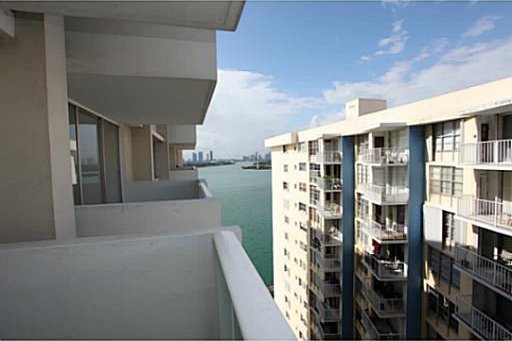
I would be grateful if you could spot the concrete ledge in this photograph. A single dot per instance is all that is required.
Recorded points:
(7, 29)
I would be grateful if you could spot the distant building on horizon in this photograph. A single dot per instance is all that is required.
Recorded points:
(200, 157)
(211, 155)
(194, 157)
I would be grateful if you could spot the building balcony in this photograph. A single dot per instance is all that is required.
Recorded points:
(384, 233)
(326, 313)
(333, 157)
(495, 215)
(480, 324)
(496, 275)
(326, 239)
(197, 285)
(383, 306)
(385, 156)
(487, 154)
(329, 210)
(328, 183)
(322, 332)
(378, 329)
(326, 263)
(151, 207)
(385, 269)
(325, 288)
(183, 174)
(385, 195)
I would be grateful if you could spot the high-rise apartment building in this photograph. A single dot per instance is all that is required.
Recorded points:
(396, 222)
(211, 155)
(200, 157)
(103, 233)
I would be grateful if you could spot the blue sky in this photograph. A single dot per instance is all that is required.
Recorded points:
(292, 65)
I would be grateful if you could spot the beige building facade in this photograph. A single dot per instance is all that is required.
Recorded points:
(418, 246)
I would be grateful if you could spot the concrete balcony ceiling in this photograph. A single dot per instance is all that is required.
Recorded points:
(214, 15)
(138, 73)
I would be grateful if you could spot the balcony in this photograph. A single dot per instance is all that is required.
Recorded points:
(385, 269)
(385, 195)
(326, 263)
(385, 233)
(327, 239)
(495, 215)
(487, 271)
(183, 174)
(324, 287)
(151, 207)
(378, 329)
(383, 306)
(480, 324)
(385, 156)
(328, 183)
(332, 156)
(326, 313)
(329, 210)
(198, 285)
(487, 155)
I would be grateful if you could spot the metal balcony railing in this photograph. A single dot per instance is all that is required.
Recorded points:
(388, 194)
(385, 156)
(385, 232)
(384, 307)
(326, 263)
(498, 152)
(326, 287)
(480, 323)
(496, 213)
(385, 269)
(327, 313)
(330, 210)
(329, 184)
(491, 272)
(328, 156)
(378, 329)
(327, 239)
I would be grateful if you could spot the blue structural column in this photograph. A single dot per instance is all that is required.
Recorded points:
(415, 231)
(348, 202)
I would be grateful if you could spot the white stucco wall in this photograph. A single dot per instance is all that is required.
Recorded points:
(159, 287)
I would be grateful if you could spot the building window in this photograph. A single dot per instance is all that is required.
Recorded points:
(302, 166)
(363, 174)
(95, 157)
(286, 204)
(285, 185)
(448, 230)
(302, 147)
(303, 227)
(446, 136)
(313, 147)
(302, 207)
(286, 219)
(302, 187)
(285, 149)
(286, 235)
(442, 307)
(446, 180)
(285, 168)
(441, 266)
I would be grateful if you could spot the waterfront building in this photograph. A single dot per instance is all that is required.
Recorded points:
(104, 234)
(194, 157)
(396, 222)
(200, 157)
(211, 155)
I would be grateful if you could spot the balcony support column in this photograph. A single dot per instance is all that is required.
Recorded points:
(416, 176)
(348, 201)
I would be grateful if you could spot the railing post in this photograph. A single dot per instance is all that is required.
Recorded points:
(495, 152)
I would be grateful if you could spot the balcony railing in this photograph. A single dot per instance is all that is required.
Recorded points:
(498, 152)
(481, 324)
(327, 239)
(496, 213)
(378, 329)
(330, 210)
(491, 272)
(327, 313)
(385, 232)
(387, 194)
(331, 156)
(326, 263)
(383, 306)
(329, 184)
(326, 287)
(385, 156)
(385, 269)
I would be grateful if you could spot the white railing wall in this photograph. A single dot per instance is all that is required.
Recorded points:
(498, 152)
(385, 156)
(494, 212)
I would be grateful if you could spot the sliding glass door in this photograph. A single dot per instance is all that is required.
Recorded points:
(95, 157)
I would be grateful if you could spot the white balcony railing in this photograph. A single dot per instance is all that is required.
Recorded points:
(385, 156)
(385, 232)
(329, 210)
(326, 263)
(327, 313)
(383, 306)
(388, 194)
(496, 213)
(491, 272)
(483, 325)
(378, 329)
(326, 287)
(498, 152)
(330, 156)
(385, 269)
(329, 184)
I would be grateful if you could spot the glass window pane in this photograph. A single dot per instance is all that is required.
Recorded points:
(75, 170)
(111, 159)
(89, 158)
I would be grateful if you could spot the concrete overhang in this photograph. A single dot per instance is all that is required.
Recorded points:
(489, 108)
(182, 136)
(330, 136)
(6, 24)
(383, 126)
(281, 140)
(214, 15)
(141, 74)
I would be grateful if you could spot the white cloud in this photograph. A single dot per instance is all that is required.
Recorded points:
(246, 108)
(457, 68)
(482, 25)
(392, 44)
(394, 4)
